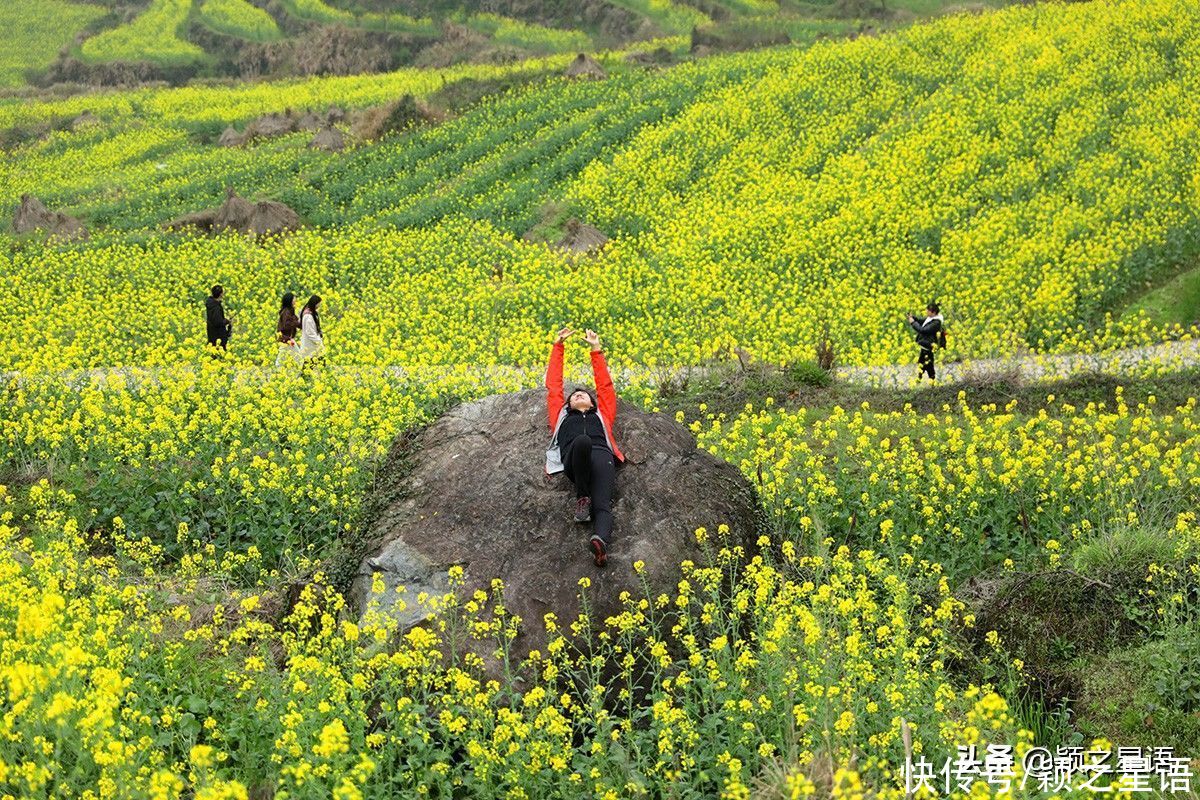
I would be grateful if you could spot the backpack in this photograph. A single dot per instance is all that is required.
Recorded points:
(941, 340)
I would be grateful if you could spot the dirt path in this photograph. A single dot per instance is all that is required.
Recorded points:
(1131, 360)
(1166, 356)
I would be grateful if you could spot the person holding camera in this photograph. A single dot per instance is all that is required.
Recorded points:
(929, 331)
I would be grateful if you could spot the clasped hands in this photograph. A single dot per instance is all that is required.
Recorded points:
(589, 336)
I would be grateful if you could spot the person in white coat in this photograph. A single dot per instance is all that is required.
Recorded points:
(312, 343)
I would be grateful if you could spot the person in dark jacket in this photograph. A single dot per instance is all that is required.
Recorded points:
(582, 444)
(219, 326)
(927, 331)
(286, 330)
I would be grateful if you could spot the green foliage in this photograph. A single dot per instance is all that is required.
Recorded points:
(770, 194)
(154, 36)
(954, 490)
(1174, 667)
(1122, 555)
(809, 373)
(1176, 302)
(500, 160)
(239, 18)
(34, 33)
(717, 169)
(535, 38)
(188, 107)
(320, 11)
(317, 10)
(670, 17)
(1121, 695)
(868, 203)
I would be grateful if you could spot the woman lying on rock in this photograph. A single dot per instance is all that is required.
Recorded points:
(583, 446)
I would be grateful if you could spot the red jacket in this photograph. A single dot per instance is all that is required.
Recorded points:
(606, 395)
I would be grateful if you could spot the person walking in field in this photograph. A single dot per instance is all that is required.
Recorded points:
(582, 444)
(929, 331)
(218, 325)
(286, 330)
(312, 341)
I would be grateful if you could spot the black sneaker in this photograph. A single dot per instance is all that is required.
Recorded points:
(599, 551)
(583, 509)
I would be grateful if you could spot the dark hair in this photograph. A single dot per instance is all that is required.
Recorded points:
(585, 390)
(287, 314)
(933, 307)
(218, 290)
(311, 307)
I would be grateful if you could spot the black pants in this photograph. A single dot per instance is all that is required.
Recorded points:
(591, 468)
(925, 362)
(222, 341)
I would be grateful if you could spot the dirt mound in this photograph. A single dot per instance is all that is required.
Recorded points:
(231, 138)
(510, 522)
(271, 216)
(1051, 618)
(330, 139)
(239, 214)
(579, 237)
(728, 39)
(658, 57)
(201, 220)
(459, 44)
(235, 213)
(68, 69)
(32, 215)
(965, 8)
(342, 50)
(584, 66)
(271, 125)
(372, 124)
(274, 124)
(308, 121)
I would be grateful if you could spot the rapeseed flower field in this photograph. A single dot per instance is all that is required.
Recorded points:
(770, 195)
(800, 669)
(158, 499)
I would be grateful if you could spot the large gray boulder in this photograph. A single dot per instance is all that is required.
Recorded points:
(476, 495)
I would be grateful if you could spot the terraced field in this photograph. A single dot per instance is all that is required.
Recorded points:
(992, 563)
(180, 40)
(35, 33)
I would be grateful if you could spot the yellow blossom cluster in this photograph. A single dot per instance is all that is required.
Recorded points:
(974, 484)
(113, 690)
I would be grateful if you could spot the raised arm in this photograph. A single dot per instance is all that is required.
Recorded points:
(554, 379)
(606, 393)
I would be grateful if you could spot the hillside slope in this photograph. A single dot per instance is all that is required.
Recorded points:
(127, 42)
(1028, 169)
